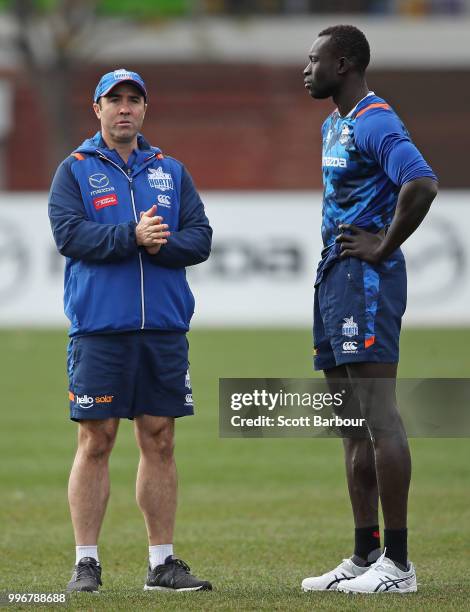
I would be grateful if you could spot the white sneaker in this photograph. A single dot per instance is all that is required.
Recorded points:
(346, 571)
(383, 576)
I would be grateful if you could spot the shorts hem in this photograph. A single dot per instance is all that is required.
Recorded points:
(366, 358)
(345, 359)
(324, 365)
(174, 415)
(76, 417)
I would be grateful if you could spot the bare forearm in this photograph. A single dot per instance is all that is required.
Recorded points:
(414, 201)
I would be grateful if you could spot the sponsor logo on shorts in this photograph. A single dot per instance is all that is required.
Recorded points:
(104, 201)
(85, 402)
(350, 328)
(104, 399)
(164, 200)
(189, 399)
(350, 347)
(187, 380)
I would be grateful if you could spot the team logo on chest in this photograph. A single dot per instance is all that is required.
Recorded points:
(345, 135)
(160, 180)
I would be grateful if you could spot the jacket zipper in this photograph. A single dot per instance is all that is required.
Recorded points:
(141, 265)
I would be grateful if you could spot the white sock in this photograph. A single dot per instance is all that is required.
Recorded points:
(86, 551)
(158, 554)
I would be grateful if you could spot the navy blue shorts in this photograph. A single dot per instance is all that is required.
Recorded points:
(357, 312)
(128, 374)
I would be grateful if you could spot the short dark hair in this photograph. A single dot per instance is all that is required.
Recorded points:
(350, 42)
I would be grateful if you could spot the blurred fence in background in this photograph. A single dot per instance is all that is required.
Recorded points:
(262, 267)
(226, 97)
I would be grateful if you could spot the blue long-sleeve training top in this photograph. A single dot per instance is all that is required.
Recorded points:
(111, 284)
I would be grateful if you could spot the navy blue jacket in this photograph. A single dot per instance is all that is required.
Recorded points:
(112, 284)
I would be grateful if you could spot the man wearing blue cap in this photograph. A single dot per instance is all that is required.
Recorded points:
(128, 220)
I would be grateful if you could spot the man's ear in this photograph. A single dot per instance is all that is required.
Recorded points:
(344, 64)
(97, 109)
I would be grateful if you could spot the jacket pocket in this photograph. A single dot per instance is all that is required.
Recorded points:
(70, 299)
(84, 293)
(169, 301)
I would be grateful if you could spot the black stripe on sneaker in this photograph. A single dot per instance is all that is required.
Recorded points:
(389, 583)
(337, 580)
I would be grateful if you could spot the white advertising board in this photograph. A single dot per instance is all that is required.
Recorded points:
(261, 271)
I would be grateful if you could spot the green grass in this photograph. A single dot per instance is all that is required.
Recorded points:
(255, 515)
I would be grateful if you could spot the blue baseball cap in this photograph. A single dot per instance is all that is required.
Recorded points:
(109, 80)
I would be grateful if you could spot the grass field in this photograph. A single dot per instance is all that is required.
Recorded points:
(255, 515)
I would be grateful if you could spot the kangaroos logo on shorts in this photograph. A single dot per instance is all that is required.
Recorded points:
(350, 327)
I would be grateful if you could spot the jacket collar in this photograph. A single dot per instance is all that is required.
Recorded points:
(96, 146)
(90, 145)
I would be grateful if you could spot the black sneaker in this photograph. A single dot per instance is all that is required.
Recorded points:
(174, 575)
(86, 576)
